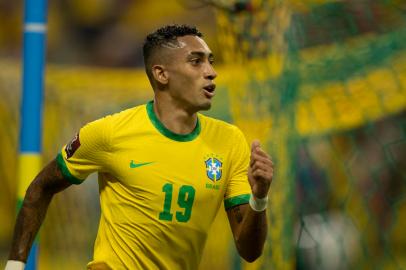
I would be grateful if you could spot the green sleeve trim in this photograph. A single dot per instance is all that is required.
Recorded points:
(237, 200)
(65, 171)
(20, 202)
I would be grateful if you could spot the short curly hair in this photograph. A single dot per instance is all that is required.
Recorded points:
(165, 36)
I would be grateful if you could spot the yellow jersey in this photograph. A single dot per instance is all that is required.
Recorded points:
(159, 191)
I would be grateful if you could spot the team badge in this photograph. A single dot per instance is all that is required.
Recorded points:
(214, 169)
(71, 147)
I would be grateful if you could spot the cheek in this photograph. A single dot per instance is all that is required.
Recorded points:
(185, 81)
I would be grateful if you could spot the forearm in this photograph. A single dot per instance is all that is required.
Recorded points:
(29, 220)
(251, 235)
(32, 213)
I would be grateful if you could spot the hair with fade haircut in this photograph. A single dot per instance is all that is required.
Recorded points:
(165, 37)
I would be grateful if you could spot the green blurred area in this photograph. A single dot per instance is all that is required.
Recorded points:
(322, 84)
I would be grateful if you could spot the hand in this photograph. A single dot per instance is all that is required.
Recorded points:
(260, 171)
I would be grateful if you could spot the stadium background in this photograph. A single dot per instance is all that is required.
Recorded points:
(321, 83)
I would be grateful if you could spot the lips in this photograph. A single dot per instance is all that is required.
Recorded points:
(209, 90)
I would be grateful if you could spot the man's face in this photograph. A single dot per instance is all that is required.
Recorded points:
(191, 74)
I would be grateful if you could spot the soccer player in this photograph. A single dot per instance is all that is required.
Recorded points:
(164, 169)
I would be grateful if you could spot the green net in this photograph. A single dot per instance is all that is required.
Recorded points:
(323, 85)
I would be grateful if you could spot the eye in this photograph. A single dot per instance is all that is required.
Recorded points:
(211, 61)
(195, 61)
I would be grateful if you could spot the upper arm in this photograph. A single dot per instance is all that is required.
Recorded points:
(50, 180)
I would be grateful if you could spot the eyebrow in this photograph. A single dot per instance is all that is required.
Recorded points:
(201, 54)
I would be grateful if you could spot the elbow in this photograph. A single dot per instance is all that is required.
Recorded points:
(252, 256)
(36, 193)
(250, 253)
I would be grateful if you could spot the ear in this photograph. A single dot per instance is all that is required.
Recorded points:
(160, 74)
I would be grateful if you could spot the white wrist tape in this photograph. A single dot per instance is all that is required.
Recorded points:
(14, 265)
(258, 205)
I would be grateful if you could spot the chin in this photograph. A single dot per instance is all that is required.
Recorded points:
(201, 105)
(205, 107)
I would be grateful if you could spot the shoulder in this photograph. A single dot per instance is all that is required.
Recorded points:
(125, 117)
(127, 113)
(108, 125)
(211, 124)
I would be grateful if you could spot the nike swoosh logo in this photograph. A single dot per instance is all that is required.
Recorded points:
(136, 165)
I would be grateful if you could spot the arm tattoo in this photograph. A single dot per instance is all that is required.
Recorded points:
(237, 214)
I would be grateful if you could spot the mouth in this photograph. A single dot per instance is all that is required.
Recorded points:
(209, 90)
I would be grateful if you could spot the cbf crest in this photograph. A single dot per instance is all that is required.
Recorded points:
(214, 167)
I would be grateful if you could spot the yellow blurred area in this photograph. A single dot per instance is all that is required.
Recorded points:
(102, 32)
(92, 11)
(338, 106)
(29, 165)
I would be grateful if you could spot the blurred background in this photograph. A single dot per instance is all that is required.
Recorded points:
(321, 83)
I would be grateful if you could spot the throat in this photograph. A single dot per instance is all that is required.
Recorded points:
(179, 125)
(176, 121)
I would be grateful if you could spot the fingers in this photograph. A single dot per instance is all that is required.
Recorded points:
(262, 170)
(264, 174)
(257, 154)
(261, 164)
(256, 149)
(255, 144)
(259, 158)
(260, 173)
(264, 165)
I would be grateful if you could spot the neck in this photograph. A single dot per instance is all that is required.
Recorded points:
(174, 117)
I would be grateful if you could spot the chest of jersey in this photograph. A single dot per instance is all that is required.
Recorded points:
(171, 181)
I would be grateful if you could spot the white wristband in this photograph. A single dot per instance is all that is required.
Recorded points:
(14, 265)
(258, 205)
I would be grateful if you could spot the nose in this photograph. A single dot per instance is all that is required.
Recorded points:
(210, 73)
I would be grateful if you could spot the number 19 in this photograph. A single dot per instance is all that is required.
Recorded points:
(186, 198)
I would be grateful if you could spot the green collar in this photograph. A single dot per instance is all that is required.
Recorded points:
(166, 132)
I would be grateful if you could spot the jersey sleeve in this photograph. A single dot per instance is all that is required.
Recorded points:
(238, 190)
(87, 152)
